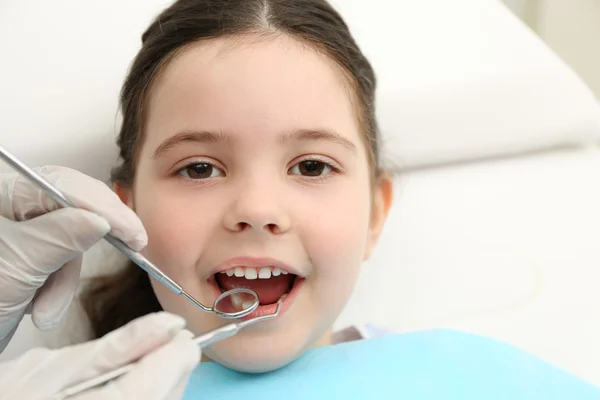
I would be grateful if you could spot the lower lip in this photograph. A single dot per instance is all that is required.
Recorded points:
(269, 309)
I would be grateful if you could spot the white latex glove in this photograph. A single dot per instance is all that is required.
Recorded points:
(166, 354)
(40, 256)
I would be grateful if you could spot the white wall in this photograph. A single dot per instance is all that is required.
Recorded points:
(571, 28)
(524, 9)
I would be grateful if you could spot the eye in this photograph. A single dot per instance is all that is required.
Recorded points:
(200, 171)
(311, 168)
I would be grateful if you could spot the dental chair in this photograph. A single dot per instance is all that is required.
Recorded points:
(496, 220)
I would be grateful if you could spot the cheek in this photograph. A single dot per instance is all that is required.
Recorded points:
(178, 233)
(336, 235)
(175, 227)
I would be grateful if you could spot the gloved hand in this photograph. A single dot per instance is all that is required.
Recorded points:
(41, 251)
(165, 351)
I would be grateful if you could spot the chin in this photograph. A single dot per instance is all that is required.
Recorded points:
(258, 362)
(253, 358)
(259, 353)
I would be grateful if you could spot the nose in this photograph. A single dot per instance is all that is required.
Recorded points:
(259, 208)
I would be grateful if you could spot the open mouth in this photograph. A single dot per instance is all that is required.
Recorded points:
(269, 283)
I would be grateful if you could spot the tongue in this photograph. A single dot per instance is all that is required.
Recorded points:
(268, 290)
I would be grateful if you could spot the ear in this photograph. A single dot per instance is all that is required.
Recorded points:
(125, 194)
(382, 202)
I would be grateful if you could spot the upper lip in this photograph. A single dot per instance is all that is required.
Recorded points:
(254, 262)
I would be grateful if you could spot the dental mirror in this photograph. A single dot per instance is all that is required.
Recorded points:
(236, 303)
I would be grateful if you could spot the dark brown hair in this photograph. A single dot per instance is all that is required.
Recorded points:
(113, 300)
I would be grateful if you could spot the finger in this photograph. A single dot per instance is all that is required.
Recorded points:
(11, 198)
(55, 296)
(44, 244)
(55, 370)
(159, 375)
(95, 196)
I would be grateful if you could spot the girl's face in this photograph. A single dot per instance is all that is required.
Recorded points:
(253, 161)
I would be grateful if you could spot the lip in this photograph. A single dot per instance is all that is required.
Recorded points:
(253, 262)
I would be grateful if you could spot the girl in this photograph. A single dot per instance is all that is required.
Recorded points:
(250, 152)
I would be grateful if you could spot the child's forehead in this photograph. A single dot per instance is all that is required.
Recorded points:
(244, 54)
(230, 84)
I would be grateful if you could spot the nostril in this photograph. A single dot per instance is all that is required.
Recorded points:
(273, 228)
(243, 226)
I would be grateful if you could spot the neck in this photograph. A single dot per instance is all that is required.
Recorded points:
(325, 340)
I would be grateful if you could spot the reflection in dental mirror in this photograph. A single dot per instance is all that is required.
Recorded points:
(236, 303)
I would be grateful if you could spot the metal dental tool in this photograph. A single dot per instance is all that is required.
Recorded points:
(234, 303)
(204, 340)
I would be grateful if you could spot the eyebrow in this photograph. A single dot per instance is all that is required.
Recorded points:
(210, 137)
(196, 137)
(319, 134)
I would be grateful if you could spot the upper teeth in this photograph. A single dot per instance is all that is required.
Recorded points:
(253, 273)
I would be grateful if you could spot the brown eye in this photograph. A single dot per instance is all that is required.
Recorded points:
(201, 171)
(311, 168)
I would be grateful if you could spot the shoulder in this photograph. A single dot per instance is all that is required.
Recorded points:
(359, 332)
